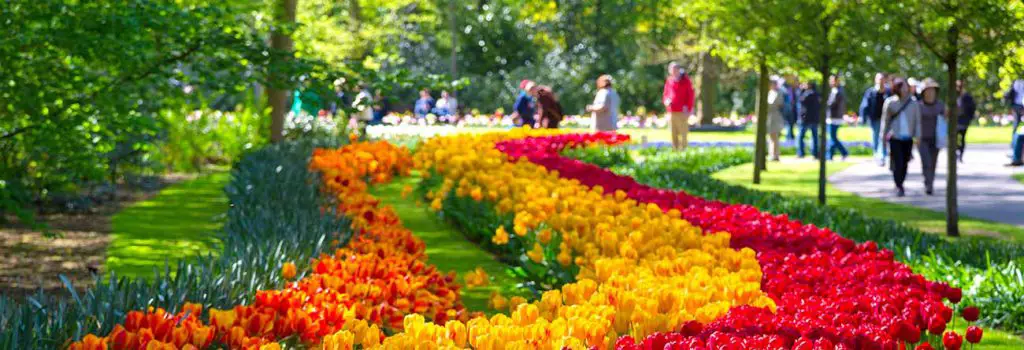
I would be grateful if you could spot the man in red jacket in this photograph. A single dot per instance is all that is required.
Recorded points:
(678, 99)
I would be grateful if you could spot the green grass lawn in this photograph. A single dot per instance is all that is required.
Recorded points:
(178, 223)
(447, 248)
(1019, 177)
(801, 179)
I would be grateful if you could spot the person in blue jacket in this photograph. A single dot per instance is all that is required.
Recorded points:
(525, 106)
(424, 104)
(870, 111)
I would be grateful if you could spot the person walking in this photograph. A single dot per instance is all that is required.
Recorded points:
(871, 113)
(901, 124)
(424, 105)
(835, 113)
(605, 109)
(678, 99)
(549, 113)
(525, 106)
(776, 106)
(791, 107)
(1014, 97)
(810, 104)
(930, 139)
(965, 107)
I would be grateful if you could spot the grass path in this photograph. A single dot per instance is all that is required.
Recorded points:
(178, 223)
(800, 178)
(447, 248)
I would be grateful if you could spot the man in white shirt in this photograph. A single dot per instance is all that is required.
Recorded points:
(446, 105)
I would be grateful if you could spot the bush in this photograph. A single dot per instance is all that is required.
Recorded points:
(988, 270)
(275, 217)
(194, 138)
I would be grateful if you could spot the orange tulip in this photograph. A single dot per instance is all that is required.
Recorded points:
(288, 271)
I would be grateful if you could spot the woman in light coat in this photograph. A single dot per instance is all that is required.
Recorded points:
(776, 100)
(901, 124)
(605, 109)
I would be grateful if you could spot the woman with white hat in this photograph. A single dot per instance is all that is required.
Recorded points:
(932, 110)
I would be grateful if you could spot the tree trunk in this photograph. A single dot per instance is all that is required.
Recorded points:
(823, 102)
(952, 212)
(762, 122)
(284, 15)
(707, 88)
(455, 65)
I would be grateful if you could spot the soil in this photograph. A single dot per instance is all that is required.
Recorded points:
(30, 261)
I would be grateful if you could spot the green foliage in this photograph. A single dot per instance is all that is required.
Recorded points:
(275, 217)
(988, 270)
(83, 91)
(196, 138)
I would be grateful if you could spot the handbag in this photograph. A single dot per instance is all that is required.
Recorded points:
(941, 135)
(891, 117)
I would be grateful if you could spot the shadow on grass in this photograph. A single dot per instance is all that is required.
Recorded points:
(178, 223)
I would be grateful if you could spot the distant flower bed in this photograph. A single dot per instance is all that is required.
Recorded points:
(650, 121)
(570, 121)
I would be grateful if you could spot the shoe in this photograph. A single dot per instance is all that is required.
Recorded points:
(1015, 164)
(775, 159)
(844, 157)
(928, 192)
(899, 192)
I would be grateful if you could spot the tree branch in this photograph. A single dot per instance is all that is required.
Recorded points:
(919, 33)
(18, 131)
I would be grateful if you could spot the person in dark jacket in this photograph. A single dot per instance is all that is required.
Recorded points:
(1014, 97)
(810, 105)
(525, 106)
(550, 112)
(871, 113)
(790, 107)
(836, 111)
(966, 107)
(381, 107)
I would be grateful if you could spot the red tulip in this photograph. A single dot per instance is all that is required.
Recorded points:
(973, 334)
(924, 346)
(955, 294)
(936, 325)
(952, 341)
(970, 313)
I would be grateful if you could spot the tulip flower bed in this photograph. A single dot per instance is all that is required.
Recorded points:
(617, 264)
(829, 290)
(276, 215)
(365, 288)
(988, 270)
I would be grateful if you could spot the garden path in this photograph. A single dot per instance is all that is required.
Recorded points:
(987, 189)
